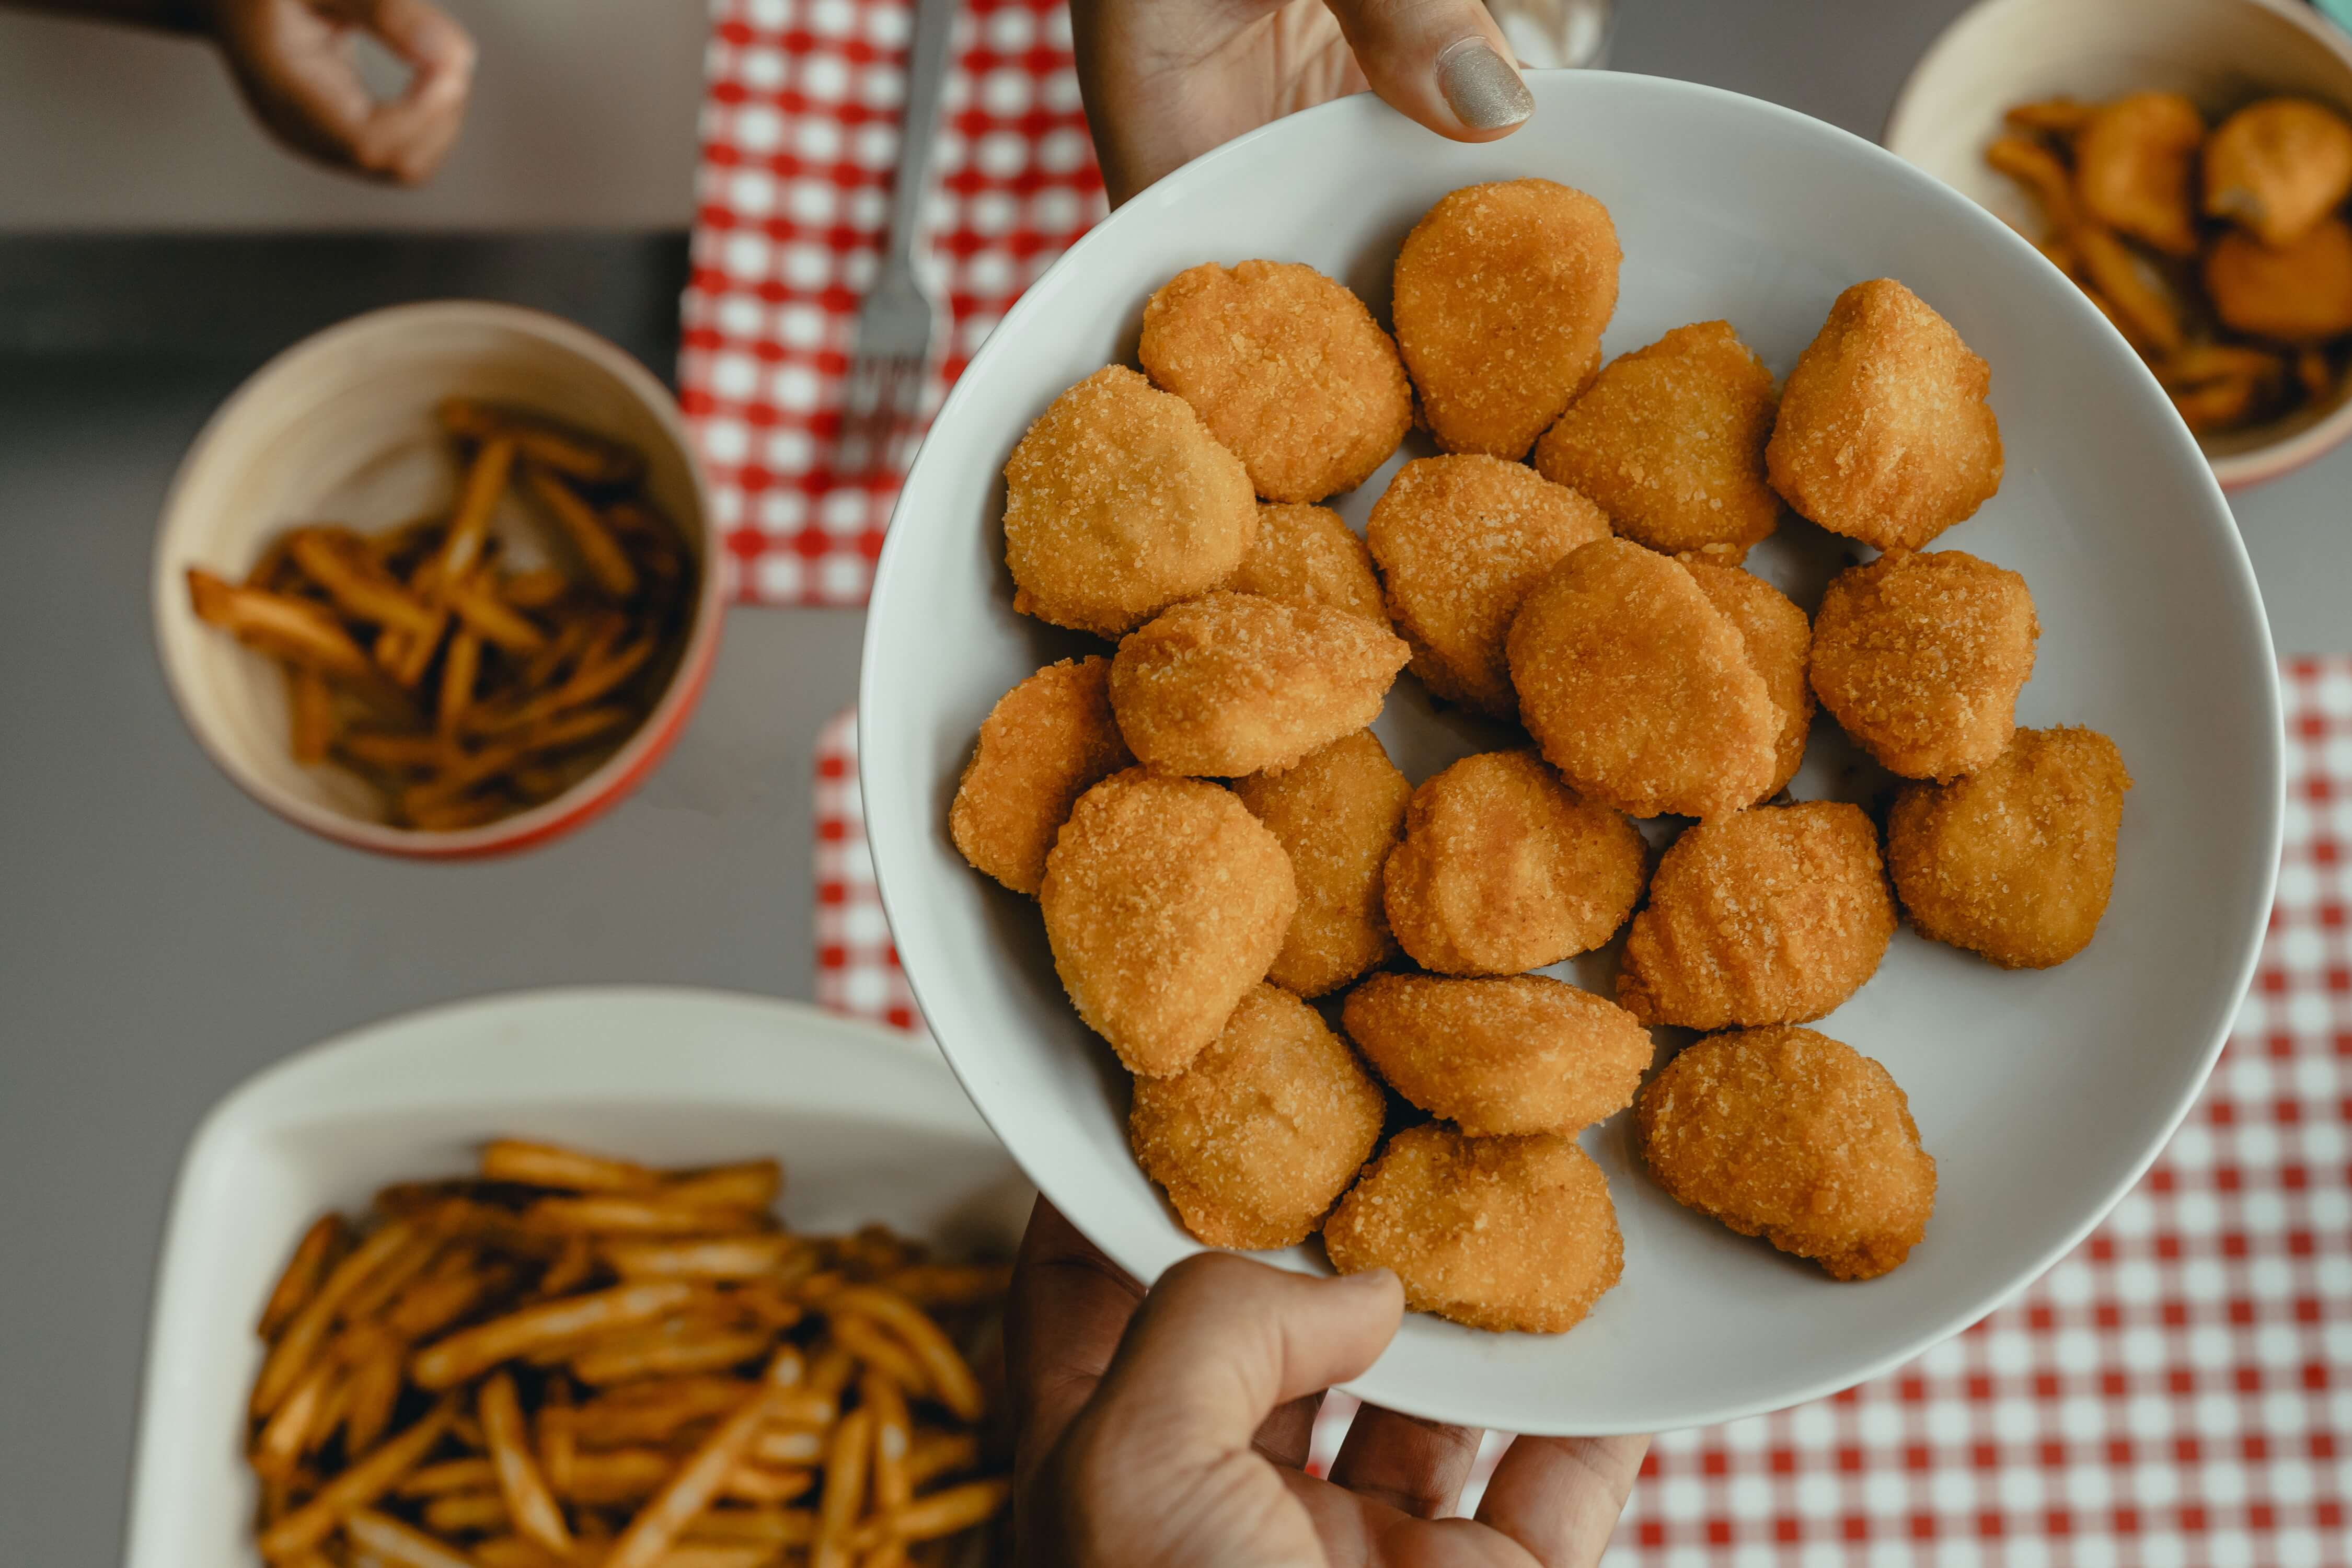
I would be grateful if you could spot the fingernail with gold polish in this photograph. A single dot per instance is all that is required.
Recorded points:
(1481, 88)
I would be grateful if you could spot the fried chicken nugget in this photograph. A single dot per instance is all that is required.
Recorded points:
(1502, 293)
(1460, 540)
(1257, 1140)
(1164, 902)
(2300, 293)
(1774, 915)
(1118, 503)
(1669, 440)
(2135, 164)
(2016, 860)
(1046, 741)
(1287, 368)
(1522, 1054)
(1504, 870)
(1306, 555)
(1513, 1235)
(1788, 1134)
(1229, 684)
(1639, 689)
(1884, 432)
(1337, 815)
(1780, 644)
(1921, 658)
(2278, 166)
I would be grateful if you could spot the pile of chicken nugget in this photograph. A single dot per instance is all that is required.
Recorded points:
(1320, 973)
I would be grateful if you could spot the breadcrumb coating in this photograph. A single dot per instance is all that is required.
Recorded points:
(1511, 1234)
(1780, 644)
(1502, 293)
(1884, 432)
(1504, 869)
(1337, 815)
(1306, 555)
(1118, 503)
(1257, 1140)
(1788, 1134)
(1774, 915)
(1669, 441)
(1287, 368)
(1920, 658)
(1460, 540)
(1639, 690)
(2016, 860)
(1045, 742)
(1524, 1053)
(1164, 902)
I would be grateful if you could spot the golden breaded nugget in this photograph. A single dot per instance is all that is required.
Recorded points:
(1337, 814)
(1639, 689)
(1287, 368)
(1046, 741)
(2300, 293)
(1502, 293)
(1774, 915)
(1164, 902)
(1504, 870)
(2278, 166)
(2016, 860)
(1884, 432)
(1788, 1134)
(1306, 555)
(1460, 540)
(2135, 164)
(1521, 1054)
(1230, 684)
(1515, 1235)
(1669, 441)
(1921, 658)
(1118, 503)
(1780, 644)
(1259, 1137)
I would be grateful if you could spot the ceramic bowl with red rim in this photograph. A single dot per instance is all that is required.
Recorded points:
(2220, 54)
(342, 428)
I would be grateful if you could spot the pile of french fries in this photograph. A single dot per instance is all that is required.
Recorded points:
(464, 690)
(572, 1359)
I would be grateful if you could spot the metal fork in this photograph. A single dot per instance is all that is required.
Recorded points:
(890, 362)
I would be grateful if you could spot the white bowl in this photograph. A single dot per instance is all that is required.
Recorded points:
(341, 429)
(2221, 53)
(869, 1125)
(2042, 1096)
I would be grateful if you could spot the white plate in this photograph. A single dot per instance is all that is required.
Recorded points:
(2042, 1096)
(870, 1126)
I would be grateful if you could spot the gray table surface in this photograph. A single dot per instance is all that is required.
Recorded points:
(161, 938)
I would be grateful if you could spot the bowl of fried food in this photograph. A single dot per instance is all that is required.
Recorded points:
(635, 1277)
(437, 581)
(2186, 162)
(1654, 725)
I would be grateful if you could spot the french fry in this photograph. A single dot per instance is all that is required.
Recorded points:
(695, 1555)
(894, 1487)
(936, 1454)
(759, 1484)
(599, 550)
(393, 1542)
(559, 1444)
(2035, 167)
(472, 1351)
(327, 1236)
(448, 815)
(689, 1347)
(751, 1185)
(874, 1345)
(832, 1372)
(529, 1502)
(571, 1269)
(311, 714)
(530, 1165)
(599, 671)
(415, 1255)
(789, 1446)
(726, 1258)
(697, 1483)
(950, 1381)
(770, 1526)
(478, 501)
(657, 1215)
(603, 1478)
(358, 585)
(461, 667)
(951, 1284)
(486, 613)
(382, 749)
(291, 1355)
(2055, 116)
(669, 1405)
(357, 1487)
(2215, 361)
(468, 1514)
(951, 1510)
(2217, 404)
(294, 630)
(843, 1499)
(375, 1391)
(286, 1437)
(2150, 318)
(583, 457)
(449, 1476)
(2316, 374)
(540, 589)
(432, 1304)
(512, 1551)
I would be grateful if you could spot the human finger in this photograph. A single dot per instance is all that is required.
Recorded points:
(1443, 62)
(405, 138)
(1068, 1306)
(1415, 1465)
(1560, 1497)
(1285, 1436)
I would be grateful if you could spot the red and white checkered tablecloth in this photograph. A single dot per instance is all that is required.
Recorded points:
(800, 133)
(2176, 1391)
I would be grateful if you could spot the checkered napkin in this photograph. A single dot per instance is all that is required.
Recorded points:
(2177, 1391)
(800, 133)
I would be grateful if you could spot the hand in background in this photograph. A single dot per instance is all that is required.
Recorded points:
(293, 61)
(1170, 1430)
(1165, 80)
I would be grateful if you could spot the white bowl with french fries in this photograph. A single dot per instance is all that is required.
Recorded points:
(2001, 60)
(621, 1316)
(440, 581)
